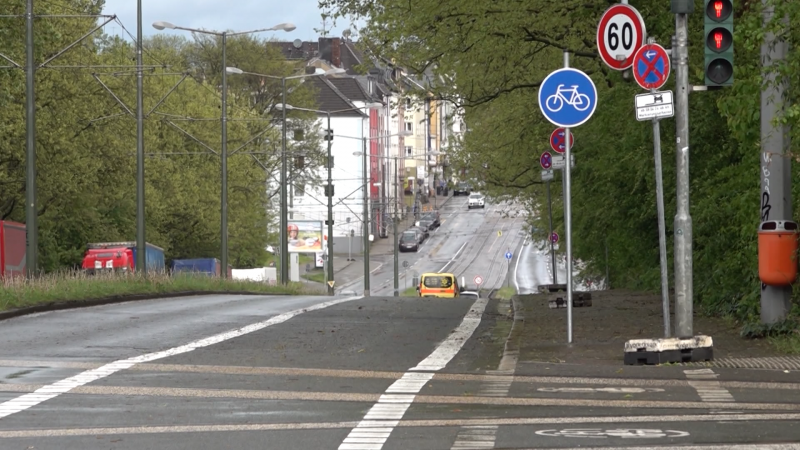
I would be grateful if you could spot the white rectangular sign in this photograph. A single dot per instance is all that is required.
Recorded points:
(559, 161)
(547, 175)
(655, 105)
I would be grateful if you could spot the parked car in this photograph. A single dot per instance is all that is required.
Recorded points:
(410, 240)
(424, 231)
(434, 216)
(462, 189)
(426, 223)
(476, 200)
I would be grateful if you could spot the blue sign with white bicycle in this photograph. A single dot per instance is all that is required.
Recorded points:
(509, 255)
(567, 97)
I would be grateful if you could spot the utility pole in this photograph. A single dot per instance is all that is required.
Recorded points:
(394, 232)
(366, 230)
(684, 296)
(31, 214)
(224, 158)
(329, 194)
(776, 166)
(284, 237)
(141, 245)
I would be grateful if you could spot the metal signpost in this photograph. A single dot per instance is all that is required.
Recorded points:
(509, 255)
(651, 68)
(568, 98)
(620, 33)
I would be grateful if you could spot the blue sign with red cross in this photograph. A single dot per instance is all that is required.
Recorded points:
(558, 140)
(651, 66)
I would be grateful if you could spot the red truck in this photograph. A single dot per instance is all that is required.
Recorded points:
(120, 257)
(12, 249)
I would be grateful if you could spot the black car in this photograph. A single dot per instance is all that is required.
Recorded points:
(426, 224)
(410, 240)
(462, 189)
(434, 217)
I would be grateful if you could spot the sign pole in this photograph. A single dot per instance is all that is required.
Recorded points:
(662, 228)
(568, 220)
(549, 238)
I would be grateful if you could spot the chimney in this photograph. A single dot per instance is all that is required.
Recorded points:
(336, 52)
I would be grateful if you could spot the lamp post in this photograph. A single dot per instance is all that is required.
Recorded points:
(329, 186)
(284, 212)
(160, 25)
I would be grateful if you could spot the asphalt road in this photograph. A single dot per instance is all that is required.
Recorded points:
(348, 373)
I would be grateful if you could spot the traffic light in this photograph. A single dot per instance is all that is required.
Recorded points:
(718, 32)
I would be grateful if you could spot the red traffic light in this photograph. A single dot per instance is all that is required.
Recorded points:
(719, 40)
(719, 10)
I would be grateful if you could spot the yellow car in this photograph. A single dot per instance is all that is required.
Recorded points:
(443, 285)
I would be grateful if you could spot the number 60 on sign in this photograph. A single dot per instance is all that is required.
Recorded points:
(620, 34)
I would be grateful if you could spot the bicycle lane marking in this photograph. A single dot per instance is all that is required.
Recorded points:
(51, 391)
(374, 429)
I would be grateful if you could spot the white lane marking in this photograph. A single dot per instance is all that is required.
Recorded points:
(453, 258)
(45, 393)
(392, 405)
(516, 266)
(476, 423)
(707, 385)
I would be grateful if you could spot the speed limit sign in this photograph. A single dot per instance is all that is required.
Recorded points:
(620, 33)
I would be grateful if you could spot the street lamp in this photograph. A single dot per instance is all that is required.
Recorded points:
(161, 25)
(284, 212)
(329, 190)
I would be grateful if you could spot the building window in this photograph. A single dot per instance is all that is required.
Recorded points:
(299, 188)
(409, 151)
(409, 126)
(408, 103)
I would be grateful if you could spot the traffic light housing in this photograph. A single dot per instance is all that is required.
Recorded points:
(718, 32)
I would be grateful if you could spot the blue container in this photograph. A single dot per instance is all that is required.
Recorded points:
(209, 266)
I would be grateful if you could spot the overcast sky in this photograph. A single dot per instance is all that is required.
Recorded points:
(236, 15)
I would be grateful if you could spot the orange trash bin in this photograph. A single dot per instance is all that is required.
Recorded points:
(777, 252)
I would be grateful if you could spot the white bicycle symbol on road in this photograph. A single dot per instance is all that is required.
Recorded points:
(577, 100)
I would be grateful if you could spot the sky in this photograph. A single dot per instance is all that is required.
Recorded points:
(223, 15)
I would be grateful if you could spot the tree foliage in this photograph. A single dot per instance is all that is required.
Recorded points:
(496, 53)
(86, 137)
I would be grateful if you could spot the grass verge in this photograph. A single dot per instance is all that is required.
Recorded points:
(316, 276)
(410, 292)
(505, 293)
(77, 287)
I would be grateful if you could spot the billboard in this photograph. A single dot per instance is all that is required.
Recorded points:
(305, 236)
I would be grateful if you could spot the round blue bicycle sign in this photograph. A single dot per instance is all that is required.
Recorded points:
(567, 97)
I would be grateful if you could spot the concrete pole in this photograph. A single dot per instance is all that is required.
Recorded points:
(141, 246)
(549, 237)
(394, 232)
(684, 296)
(224, 155)
(776, 188)
(31, 213)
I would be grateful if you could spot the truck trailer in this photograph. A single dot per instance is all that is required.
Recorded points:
(210, 266)
(12, 249)
(120, 257)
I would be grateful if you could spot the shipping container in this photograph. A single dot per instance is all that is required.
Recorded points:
(210, 266)
(12, 249)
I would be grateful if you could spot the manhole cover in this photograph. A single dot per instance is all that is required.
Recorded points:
(774, 363)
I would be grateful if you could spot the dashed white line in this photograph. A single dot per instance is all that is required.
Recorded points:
(705, 383)
(60, 387)
(385, 415)
(454, 257)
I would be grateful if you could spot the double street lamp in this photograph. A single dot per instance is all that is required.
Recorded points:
(329, 193)
(160, 25)
(284, 212)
